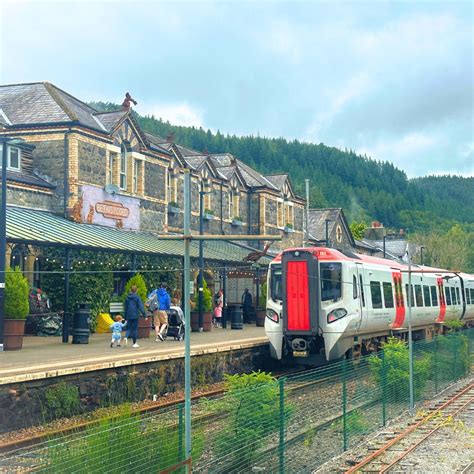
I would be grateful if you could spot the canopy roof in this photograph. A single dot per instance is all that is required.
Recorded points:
(43, 228)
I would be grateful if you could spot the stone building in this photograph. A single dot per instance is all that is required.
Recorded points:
(101, 168)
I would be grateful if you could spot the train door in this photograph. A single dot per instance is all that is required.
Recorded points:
(442, 301)
(399, 301)
(360, 288)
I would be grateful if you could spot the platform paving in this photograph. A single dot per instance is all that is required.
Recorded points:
(43, 357)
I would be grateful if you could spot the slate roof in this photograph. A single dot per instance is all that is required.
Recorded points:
(27, 178)
(317, 222)
(110, 119)
(395, 247)
(278, 180)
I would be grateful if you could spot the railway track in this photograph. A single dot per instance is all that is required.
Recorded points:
(392, 453)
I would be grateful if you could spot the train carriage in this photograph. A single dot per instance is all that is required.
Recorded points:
(323, 304)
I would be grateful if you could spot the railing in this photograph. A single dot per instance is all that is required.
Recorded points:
(293, 424)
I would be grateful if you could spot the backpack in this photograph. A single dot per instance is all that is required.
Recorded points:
(152, 302)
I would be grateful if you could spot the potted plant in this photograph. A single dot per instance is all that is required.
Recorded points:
(173, 208)
(261, 311)
(16, 309)
(207, 309)
(208, 215)
(237, 221)
(143, 324)
(289, 228)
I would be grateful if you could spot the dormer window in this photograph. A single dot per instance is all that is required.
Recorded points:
(13, 158)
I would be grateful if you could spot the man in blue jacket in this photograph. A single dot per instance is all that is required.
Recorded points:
(160, 316)
(133, 308)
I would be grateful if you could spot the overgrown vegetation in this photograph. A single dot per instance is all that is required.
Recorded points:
(61, 400)
(138, 281)
(390, 370)
(206, 297)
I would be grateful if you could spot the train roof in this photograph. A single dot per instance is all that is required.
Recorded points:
(329, 254)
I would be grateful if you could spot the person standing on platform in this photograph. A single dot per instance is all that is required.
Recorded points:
(219, 304)
(246, 305)
(160, 315)
(133, 308)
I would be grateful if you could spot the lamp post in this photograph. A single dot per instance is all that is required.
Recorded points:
(421, 255)
(306, 231)
(5, 141)
(202, 193)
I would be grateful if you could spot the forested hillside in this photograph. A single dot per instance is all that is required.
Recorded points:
(367, 189)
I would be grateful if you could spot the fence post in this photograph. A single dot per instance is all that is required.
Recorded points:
(455, 357)
(180, 432)
(281, 447)
(383, 380)
(344, 404)
(436, 364)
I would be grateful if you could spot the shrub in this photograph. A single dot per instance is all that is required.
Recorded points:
(396, 367)
(206, 297)
(138, 281)
(61, 401)
(16, 294)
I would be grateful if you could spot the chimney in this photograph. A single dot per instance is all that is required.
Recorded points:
(170, 137)
(376, 231)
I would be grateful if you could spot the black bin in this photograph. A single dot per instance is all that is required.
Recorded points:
(236, 316)
(80, 327)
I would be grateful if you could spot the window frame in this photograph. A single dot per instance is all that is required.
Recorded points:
(419, 296)
(427, 295)
(123, 164)
(434, 296)
(447, 293)
(412, 302)
(375, 285)
(9, 151)
(362, 294)
(385, 287)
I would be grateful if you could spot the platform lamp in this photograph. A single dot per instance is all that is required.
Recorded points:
(5, 142)
(204, 190)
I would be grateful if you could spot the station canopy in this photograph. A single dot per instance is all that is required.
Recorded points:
(42, 228)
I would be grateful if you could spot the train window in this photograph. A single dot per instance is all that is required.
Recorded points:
(362, 294)
(354, 286)
(388, 294)
(434, 296)
(376, 294)
(275, 283)
(458, 294)
(426, 294)
(453, 296)
(412, 295)
(418, 296)
(468, 296)
(448, 295)
(331, 281)
(472, 295)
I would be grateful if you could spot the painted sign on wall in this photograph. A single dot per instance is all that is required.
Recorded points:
(111, 210)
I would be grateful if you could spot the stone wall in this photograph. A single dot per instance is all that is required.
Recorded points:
(25, 404)
(34, 199)
(155, 184)
(92, 163)
(152, 215)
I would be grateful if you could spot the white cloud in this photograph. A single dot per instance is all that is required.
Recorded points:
(177, 114)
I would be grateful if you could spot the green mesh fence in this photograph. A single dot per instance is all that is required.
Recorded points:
(293, 424)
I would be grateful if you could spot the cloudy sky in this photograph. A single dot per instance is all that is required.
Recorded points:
(393, 80)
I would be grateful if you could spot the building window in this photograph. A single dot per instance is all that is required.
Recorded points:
(137, 171)
(123, 167)
(280, 222)
(289, 215)
(13, 158)
(172, 187)
(234, 204)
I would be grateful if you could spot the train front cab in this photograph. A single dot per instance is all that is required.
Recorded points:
(300, 287)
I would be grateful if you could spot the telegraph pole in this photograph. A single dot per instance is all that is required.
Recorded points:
(410, 339)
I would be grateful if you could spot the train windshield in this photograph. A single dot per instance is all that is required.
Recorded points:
(276, 292)
(331, 281)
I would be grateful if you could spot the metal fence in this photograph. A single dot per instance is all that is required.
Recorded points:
(293, 424)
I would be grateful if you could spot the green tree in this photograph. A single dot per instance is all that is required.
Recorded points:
(16, 294)
(358, 229)
(206, 297)
(138, 281)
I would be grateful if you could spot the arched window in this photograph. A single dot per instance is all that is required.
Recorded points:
(123, 166)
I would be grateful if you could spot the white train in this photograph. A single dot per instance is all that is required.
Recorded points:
(323, 304)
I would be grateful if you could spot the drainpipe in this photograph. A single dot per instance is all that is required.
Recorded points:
(222, 210)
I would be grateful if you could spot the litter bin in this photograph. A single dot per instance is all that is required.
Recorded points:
(236, 317)
(80, 327)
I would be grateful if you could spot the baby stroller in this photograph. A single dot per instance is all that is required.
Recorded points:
(175, 324)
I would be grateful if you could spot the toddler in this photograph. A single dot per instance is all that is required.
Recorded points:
(116, 329)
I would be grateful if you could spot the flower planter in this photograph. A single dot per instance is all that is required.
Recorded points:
(288, 230)
(14, 329)
(173, 210)
(208, 217)
(237, 223)
(206, 321)
(260, 315)
(144, 326)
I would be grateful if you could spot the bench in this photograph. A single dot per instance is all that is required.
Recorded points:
(116, 307)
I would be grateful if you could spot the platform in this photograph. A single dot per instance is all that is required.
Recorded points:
(44, 357)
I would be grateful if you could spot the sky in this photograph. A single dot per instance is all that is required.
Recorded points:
(392, 80)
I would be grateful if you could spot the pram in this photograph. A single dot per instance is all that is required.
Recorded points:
(175, 324)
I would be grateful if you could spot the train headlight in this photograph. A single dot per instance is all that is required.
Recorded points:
(336, 314)
(273, 315)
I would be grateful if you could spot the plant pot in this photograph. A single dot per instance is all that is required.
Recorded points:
(13, 332)
(260, 315)
(173, 210)
(144, 326)
(288, 230)
(237, 223)
(206, 321)
(208, 217)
